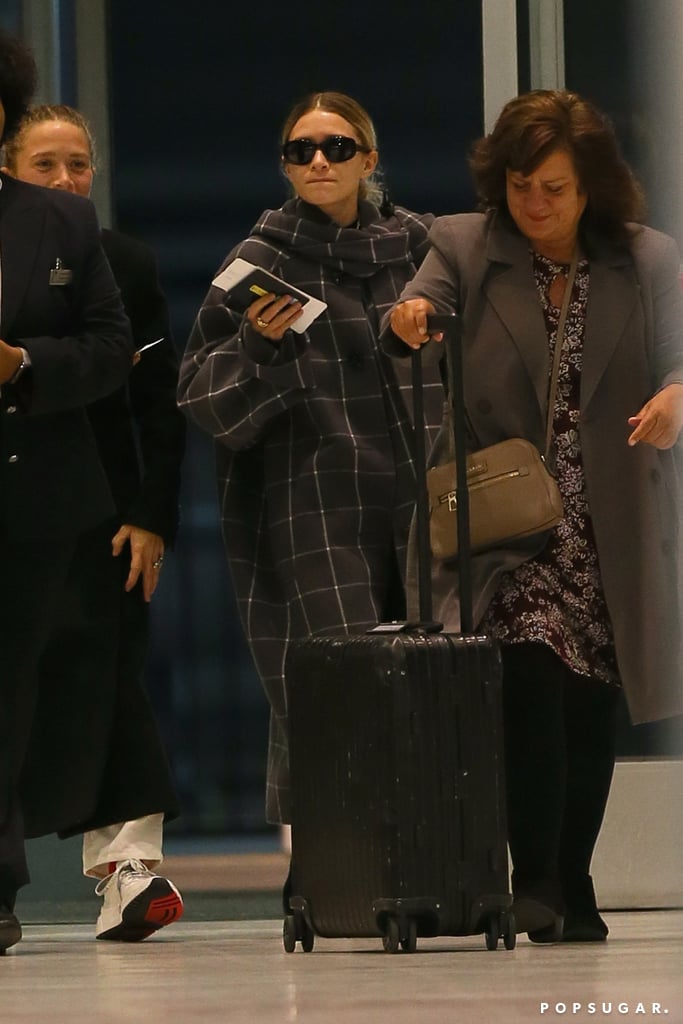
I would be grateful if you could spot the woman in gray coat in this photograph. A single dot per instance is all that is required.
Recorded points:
(313, 429)
(595, 604)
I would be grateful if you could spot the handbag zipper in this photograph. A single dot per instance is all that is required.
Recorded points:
(451, 496)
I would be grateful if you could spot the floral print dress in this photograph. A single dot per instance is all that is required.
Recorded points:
(557, 597)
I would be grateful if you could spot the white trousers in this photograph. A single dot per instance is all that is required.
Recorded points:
(140, 839)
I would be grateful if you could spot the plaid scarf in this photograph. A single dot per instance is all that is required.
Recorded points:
(360, 251)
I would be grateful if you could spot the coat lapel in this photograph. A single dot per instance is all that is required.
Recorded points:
(21, 231)
(611, 301)
(511, 290)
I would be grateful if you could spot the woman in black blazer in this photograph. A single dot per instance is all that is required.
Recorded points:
(107, 616)
(64, 342)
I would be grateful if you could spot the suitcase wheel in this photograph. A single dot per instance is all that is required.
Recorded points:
(295, 929)
(501, 926)
(403, 935)
(409, 940)
(509, 931)
(289, 933)
(492, 932)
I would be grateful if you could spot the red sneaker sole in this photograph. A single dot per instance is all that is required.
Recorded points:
(164, 910)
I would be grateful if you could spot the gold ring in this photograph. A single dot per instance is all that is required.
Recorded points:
(261, 323)
(158, 564)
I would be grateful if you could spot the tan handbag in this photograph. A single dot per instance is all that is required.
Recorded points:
(511, 492)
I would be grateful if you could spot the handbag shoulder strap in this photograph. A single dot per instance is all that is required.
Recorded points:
(559, 340)
(552, 388)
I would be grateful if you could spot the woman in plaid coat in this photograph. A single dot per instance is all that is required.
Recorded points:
(313, 429)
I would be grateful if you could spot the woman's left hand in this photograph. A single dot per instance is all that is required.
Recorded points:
(146, 556)
(660, 420)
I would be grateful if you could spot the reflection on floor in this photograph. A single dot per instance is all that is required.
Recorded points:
(237, 971)
(224, 962)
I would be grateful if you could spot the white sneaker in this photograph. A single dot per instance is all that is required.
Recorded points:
(136, 903)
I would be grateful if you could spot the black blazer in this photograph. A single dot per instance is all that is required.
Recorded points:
(139, 429)
(59, 302)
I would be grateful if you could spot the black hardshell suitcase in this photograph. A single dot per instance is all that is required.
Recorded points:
(396, 767)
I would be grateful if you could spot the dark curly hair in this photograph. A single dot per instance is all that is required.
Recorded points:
(536, 124)
(18, 80)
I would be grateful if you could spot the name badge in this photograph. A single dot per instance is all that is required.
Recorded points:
(59, 275)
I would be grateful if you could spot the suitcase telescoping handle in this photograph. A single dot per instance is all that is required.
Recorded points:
(424, 566)
(451, 326)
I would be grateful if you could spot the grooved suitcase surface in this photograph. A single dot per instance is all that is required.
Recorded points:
(397, 778)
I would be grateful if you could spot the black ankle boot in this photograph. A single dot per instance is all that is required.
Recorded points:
(10, 929)
(582, 921)
(538, 909)
(584, 928)
(551, 933)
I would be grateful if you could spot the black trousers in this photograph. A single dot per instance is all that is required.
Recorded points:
(95, 755)
(560, 741)
(33, 580)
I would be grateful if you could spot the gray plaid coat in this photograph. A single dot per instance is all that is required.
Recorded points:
(313, 439)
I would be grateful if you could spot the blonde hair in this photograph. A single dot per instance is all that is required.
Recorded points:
(39, 115)
(359, 119)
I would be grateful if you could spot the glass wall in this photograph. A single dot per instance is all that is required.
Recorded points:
(10, 15)
(625, 55)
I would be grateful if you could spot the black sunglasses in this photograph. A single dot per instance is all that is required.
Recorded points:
(336, 148)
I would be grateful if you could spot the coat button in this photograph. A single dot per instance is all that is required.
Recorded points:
(355, 360)
(11, 409)
(655, 476)
(13, 458)
(484, 406)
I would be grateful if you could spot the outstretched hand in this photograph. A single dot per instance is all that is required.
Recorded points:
(660, 420)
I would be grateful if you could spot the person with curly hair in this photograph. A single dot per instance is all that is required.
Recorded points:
(594, 606)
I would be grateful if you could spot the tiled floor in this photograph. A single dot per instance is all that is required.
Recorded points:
(237, 971)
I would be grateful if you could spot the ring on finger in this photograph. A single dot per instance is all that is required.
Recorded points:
(158, 563)
(261, 323)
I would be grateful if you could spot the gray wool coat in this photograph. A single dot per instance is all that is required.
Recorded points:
(633, 346)
(314, 439)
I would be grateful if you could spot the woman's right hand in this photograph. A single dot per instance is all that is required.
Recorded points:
(10, 361)
(271, 317)
(409, 322)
